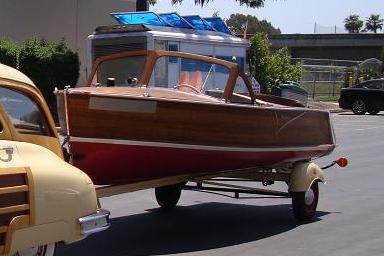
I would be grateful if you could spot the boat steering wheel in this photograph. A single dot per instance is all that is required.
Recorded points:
(187, 86)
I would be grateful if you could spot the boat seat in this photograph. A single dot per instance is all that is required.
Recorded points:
(183, 78)
(196, 80)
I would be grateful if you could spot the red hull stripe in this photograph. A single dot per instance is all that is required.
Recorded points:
(114, 163)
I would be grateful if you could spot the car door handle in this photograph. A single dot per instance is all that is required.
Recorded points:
(7, 149)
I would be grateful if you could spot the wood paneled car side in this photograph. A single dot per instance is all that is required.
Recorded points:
(43, 199)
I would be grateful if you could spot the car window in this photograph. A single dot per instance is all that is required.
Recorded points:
(381, 84)
(24, 113)
(374, 85)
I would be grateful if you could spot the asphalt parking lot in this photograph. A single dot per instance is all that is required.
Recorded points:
(349, 221)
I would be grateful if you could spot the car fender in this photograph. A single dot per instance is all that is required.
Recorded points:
(303, 175)
(59, 194)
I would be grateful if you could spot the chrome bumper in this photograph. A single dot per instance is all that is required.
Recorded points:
(93, 223)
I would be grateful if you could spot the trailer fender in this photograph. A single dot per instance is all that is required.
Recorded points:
(303, 175)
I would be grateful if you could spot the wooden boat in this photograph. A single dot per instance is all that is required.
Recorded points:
(187, 114)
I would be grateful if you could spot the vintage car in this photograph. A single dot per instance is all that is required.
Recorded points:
(364, 97)
(43, 199)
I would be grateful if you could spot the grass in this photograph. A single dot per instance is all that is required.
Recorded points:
(327, 98)
(323, 91)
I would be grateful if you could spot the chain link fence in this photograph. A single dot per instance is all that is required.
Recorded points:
(325, 77)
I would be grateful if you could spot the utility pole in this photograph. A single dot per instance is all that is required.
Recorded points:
(141, 5)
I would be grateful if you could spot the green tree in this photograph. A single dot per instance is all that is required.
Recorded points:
(267, 67)
(258, 59)
(374, 23)
(216, 14)
(353, 23)
(238, 23)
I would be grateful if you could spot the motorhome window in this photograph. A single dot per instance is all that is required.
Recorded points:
(173, 48)
(24, 113)
(160, 73)
(121, 70)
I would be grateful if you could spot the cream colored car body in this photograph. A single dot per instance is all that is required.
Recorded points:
(56, 193)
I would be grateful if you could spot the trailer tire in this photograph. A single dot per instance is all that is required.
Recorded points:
(304, 204)
(42, 250)
(168, 196)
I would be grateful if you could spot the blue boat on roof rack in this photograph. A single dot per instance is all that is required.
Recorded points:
(136, 18)
(218, 24)
(176, 20)
(198, 22)
(173, 19)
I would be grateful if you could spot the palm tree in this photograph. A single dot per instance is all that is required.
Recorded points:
(374, 23)
(353, 24)
(250, 3)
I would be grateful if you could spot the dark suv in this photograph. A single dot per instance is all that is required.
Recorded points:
(364, 97)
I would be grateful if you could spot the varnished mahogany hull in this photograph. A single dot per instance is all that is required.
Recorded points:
(122, 139)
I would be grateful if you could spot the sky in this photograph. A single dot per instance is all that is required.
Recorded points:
(290, 16)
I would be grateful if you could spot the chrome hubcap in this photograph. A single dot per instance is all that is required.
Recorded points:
(309, 197)
(359, 106)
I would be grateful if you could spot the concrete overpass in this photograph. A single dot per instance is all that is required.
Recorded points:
(331, 46)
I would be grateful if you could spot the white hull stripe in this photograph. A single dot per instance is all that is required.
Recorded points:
(199, 147)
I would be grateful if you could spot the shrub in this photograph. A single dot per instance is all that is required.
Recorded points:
(267, 67)
(9, 53)
(49, 65)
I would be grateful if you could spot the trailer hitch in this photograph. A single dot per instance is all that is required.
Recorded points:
(342, 162)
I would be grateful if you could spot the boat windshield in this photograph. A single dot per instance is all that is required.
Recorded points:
(195, 76)
(115, 72)
(174, 72)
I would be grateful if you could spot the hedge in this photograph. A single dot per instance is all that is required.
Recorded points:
(49, 65)
(9, 53)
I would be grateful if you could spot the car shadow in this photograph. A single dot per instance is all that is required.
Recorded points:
(381, 113)
(186, 229)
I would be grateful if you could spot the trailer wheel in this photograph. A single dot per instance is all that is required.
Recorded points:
(304, 204)
(168, 196)
(43, 250)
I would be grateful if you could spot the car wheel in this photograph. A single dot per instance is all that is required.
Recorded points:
(373, 111)
(304, 204)
(168, 196)
(43, 250)
(358, 107)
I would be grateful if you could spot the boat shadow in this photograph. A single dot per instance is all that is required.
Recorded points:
(187, 229)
